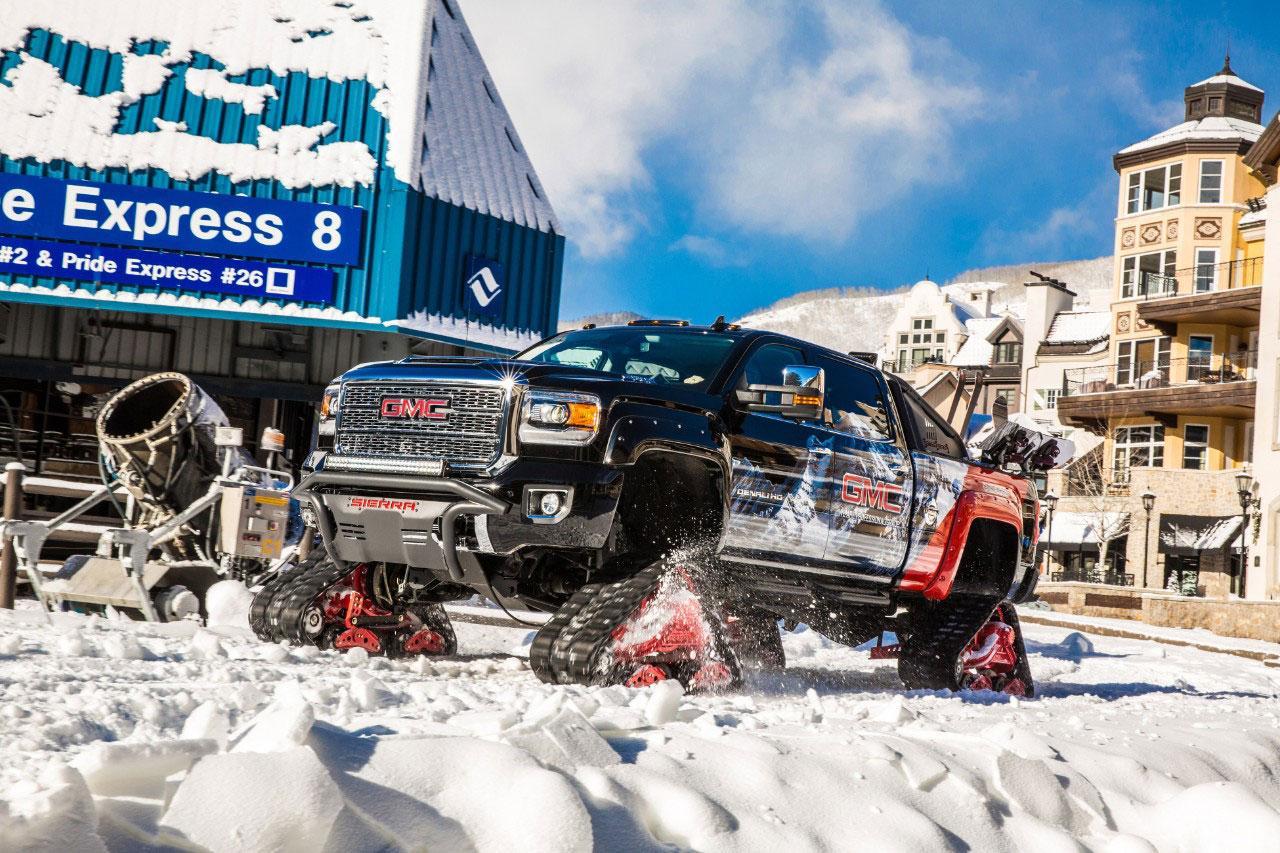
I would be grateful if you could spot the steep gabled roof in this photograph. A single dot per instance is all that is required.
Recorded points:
(471, 154)
(979, 348)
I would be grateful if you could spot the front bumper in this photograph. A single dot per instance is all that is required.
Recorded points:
(442, 524)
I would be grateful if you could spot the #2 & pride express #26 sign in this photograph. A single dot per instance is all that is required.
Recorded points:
(208, 223)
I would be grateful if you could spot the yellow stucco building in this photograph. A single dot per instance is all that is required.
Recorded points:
(1177, 393)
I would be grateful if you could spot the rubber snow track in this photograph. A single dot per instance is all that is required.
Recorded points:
(134, 737)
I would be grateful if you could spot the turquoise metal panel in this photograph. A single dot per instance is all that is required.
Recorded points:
(414, 247)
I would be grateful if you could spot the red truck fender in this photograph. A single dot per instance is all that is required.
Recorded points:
(985, 495)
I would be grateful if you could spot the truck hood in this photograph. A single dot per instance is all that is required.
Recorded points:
(464, 369)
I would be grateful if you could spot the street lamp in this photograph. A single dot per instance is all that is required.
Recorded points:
(1244, 488)
(1050, 501)
(1148, 504)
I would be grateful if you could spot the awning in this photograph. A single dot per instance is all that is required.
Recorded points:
(1186, 535)
(1072, 530)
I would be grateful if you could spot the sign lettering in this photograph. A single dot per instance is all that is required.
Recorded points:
(208, 223)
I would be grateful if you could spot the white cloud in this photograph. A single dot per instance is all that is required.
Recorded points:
(591, 85)
(774, 139)
(1066, 231)
(711, 251)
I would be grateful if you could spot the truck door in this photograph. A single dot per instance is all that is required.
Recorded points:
(781, 487)
(871, 472)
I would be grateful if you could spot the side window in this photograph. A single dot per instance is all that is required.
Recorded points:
(764, 366)
(935, 436)
(855, 401)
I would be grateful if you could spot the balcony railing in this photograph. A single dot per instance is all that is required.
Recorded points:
(1092, 576)
(1206, 369)
(1202, 278)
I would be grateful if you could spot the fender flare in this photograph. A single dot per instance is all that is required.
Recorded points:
(973, 505)
(637, 429)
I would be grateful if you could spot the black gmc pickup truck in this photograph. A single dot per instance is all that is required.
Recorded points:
(667, 492)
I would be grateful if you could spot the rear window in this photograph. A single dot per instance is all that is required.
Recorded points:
(647, 354)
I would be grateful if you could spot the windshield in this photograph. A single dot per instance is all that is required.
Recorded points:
(674, 356)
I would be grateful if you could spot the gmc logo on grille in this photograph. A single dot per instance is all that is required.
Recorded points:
(416, 408)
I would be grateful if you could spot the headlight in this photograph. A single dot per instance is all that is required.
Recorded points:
(558, 417)
(329, 409)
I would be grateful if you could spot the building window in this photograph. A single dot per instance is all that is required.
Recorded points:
(1008, 396)
(1008, 353)
(922, 323)
(902, 339)
(1195, 446)
(1182, 575)
(1199, 357)
(1144, 364)
(1210, 181)
(1139, 447)
(1215, 104)
(1155, 188)
(1152, 274)
(1050, 397)
(1206, 270)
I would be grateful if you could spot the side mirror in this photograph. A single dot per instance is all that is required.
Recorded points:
(800, 394)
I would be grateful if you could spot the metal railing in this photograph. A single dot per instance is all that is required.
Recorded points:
(1198, 369)
(1202, 278)
(1092, 576)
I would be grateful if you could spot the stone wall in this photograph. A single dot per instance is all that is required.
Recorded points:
(1254, 620)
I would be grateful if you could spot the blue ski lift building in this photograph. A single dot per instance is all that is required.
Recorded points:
(258, 200)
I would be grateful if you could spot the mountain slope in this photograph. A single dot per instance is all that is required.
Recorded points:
(847, 319)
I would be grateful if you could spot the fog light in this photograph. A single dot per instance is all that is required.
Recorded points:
(547, 504)
(550, 503)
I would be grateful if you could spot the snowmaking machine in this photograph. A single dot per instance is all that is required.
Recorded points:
(196, 508)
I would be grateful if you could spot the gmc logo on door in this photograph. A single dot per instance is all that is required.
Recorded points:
(416, 408)
(863, 491)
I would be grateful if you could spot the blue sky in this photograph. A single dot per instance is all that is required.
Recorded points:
(711, 158)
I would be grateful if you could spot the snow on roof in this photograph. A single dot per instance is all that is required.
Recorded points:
(1253, 217)
(464, 109)
(1207, 128)
(448, 132)
(977, 349)
(1227, 78)
(1079, 327)
(1087, 528)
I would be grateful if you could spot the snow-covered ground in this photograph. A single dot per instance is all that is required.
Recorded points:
(138, 736)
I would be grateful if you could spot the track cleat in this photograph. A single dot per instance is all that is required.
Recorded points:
(358, 638)
(424, 642)
(711, 676)
(649, 674)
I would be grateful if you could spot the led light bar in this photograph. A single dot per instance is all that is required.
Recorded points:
(426, 467)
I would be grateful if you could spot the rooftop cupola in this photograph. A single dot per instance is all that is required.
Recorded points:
(1224, 94)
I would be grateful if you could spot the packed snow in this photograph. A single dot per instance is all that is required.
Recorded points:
(127, 736)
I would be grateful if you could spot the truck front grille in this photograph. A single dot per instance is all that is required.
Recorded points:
(466, 428)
